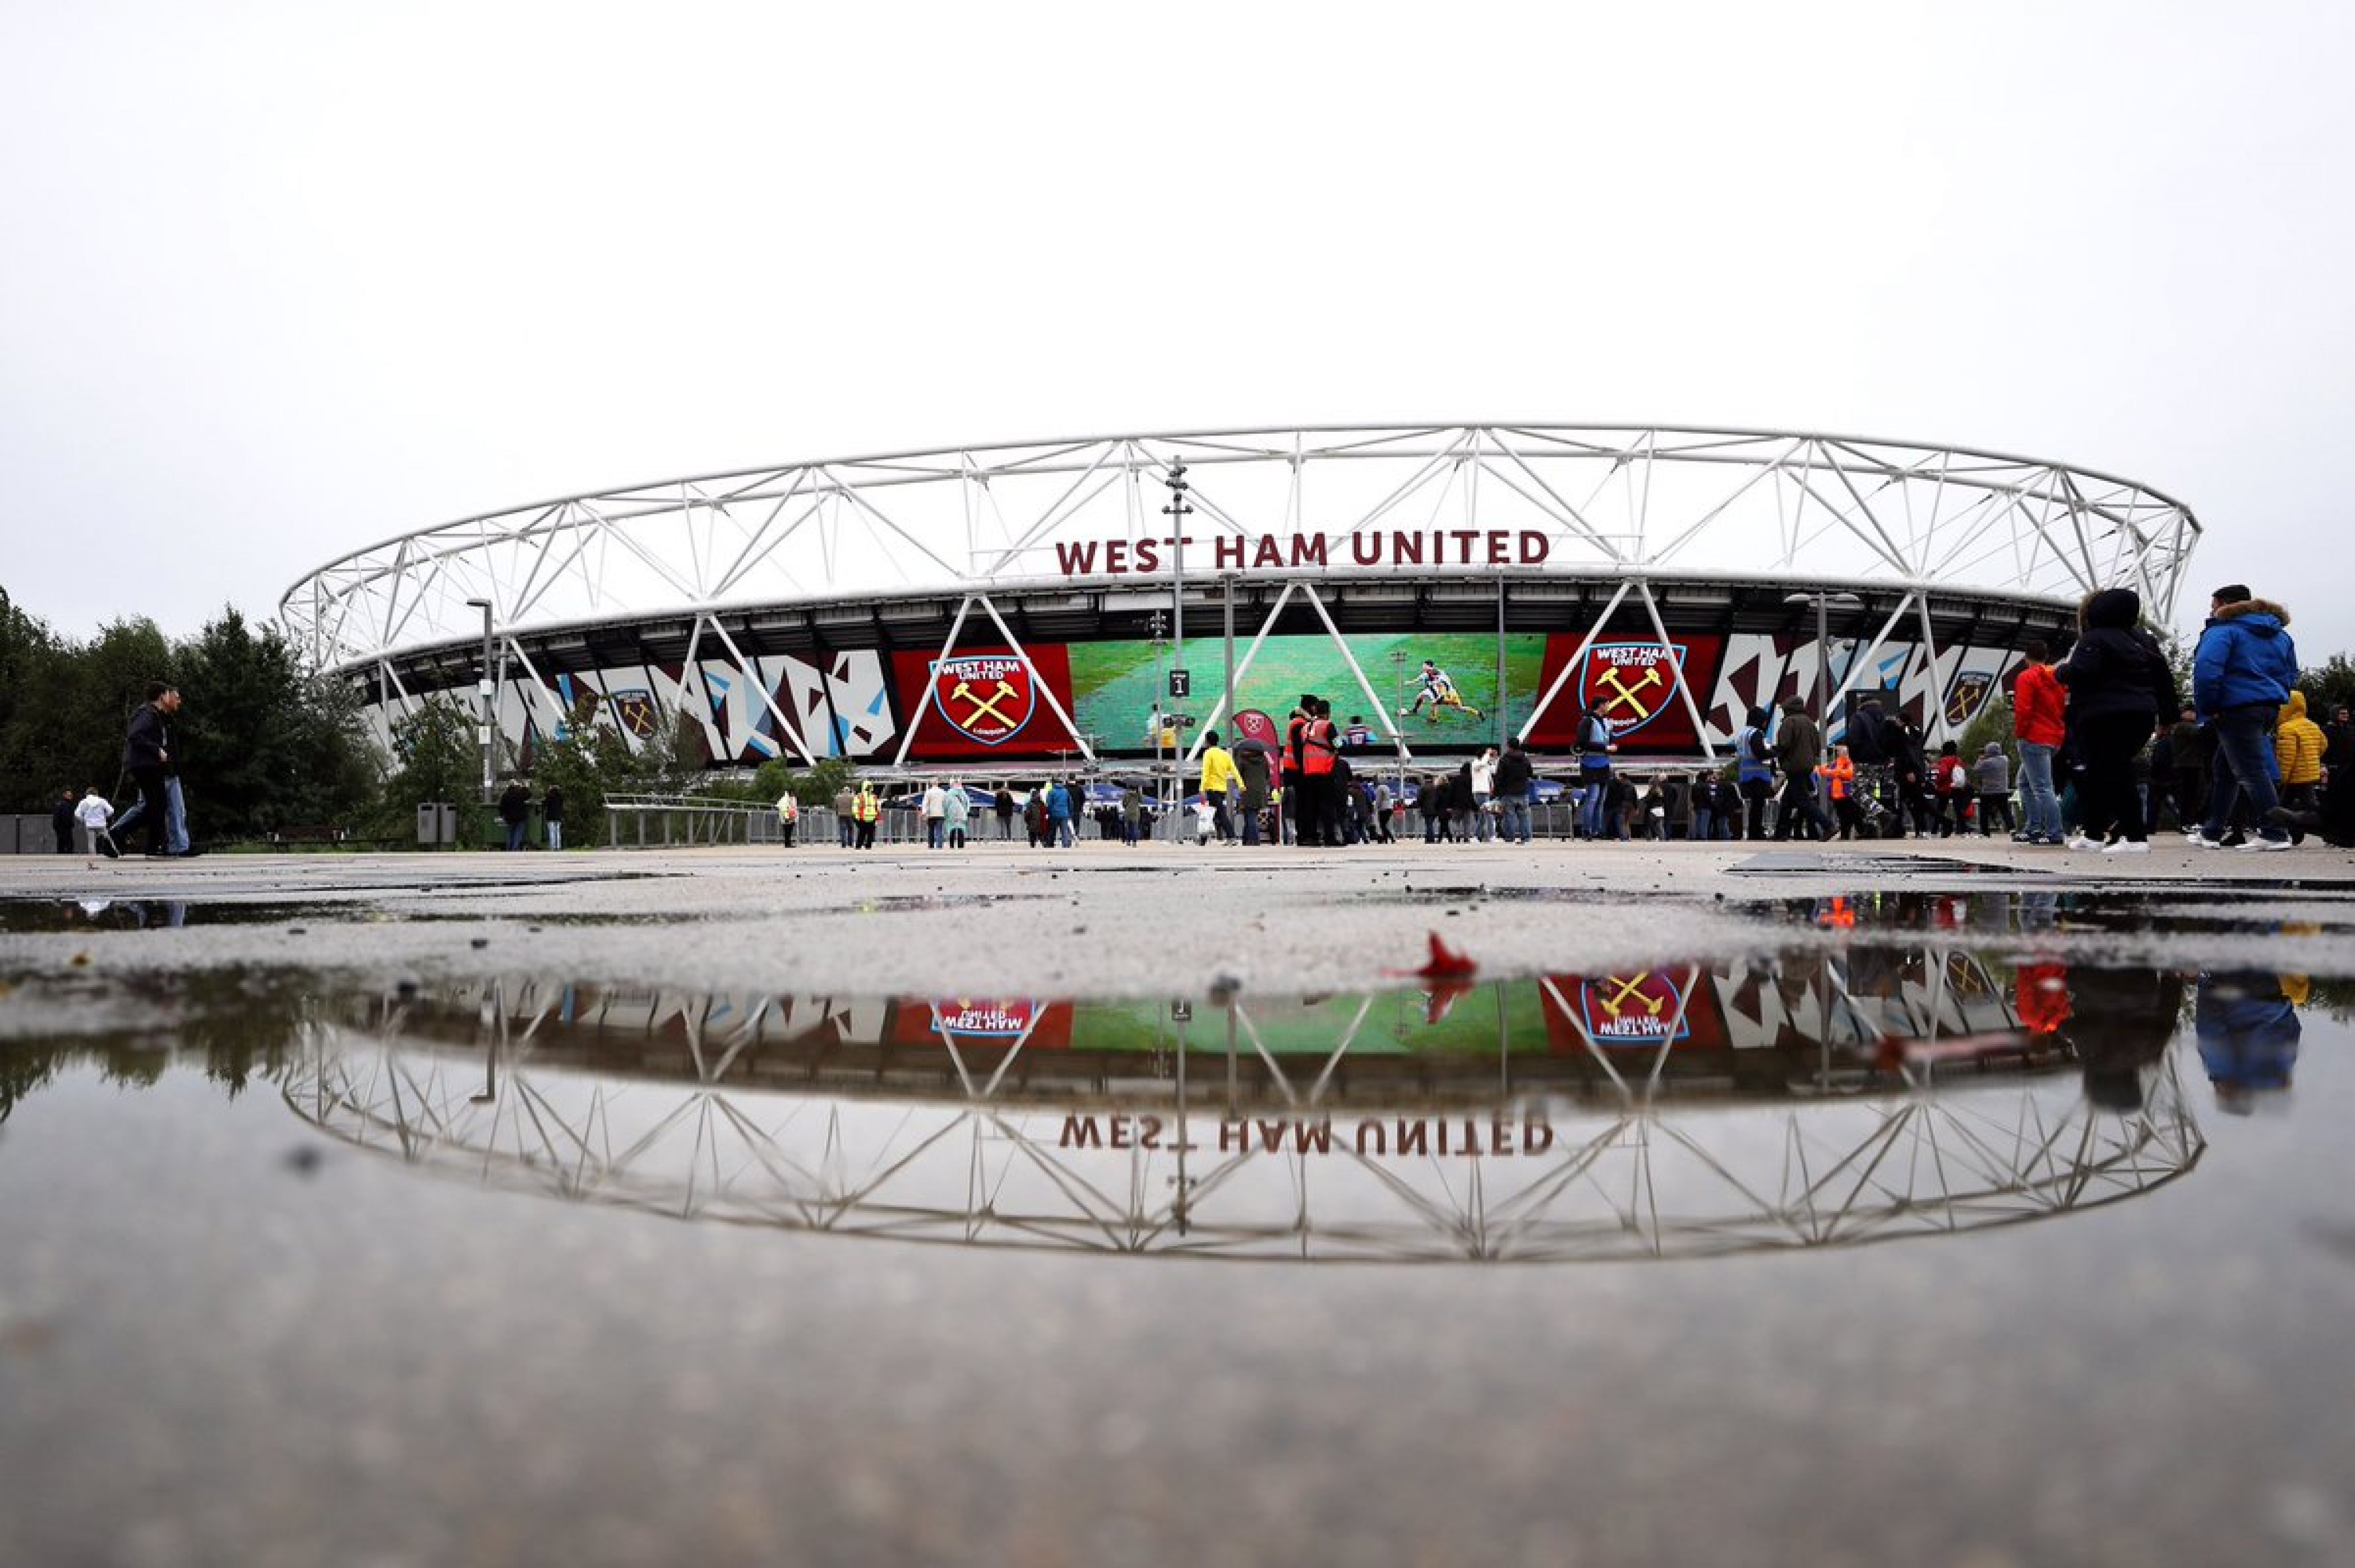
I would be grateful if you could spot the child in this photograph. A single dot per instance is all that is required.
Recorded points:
(94, 814)
(1953, 782)
(1991, 775)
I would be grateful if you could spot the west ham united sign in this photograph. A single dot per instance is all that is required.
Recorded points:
(985, 697)
(996, 1019)
(1630, 684)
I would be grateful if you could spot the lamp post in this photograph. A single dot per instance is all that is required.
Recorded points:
(1821, 600)
(1398, 731)
(1181, 682)
(1155, 627)
(483, 690)
(1177, 511)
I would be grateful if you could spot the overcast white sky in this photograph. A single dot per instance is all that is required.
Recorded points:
(278, 281)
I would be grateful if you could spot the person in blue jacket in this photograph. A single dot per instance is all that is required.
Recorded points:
(2241, 673)
(2248, 1030)
(1058, 813)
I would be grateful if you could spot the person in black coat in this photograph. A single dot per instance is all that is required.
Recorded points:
(61, 821)
(2119, 690)
(515, 810)
(148, 756)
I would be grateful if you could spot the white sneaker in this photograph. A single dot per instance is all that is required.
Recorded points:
(2258, 846)
(2126, 846)
(2079, 841)
(2202, 841)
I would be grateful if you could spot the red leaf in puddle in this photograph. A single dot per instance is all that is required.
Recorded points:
(1446, 963)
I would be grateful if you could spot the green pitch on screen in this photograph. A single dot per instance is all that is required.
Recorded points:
(1114, 683)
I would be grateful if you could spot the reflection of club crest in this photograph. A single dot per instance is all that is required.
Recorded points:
(1968, 696)
(1636, 1009)
(985, 697)
(1630, 684)
(992, 1018)
(633, 711)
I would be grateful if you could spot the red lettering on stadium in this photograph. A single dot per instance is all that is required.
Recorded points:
(1284, 552)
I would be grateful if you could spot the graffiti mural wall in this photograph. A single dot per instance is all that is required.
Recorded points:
(1441, 691)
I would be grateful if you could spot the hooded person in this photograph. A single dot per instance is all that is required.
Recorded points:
(1991, 777)
(1755, 768)
(2242, 672)
(2120, 689)
(1864, 743)
(1251, 763)
(1798, 747)
(2298, 746)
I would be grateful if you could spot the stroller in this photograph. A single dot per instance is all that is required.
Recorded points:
(1876, 805)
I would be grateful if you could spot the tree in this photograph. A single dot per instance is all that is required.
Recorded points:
(436, 758)
(816, 787)
(264, 745)
(589, 760)
(1991, 722)
(33, 765)
(2328, 684)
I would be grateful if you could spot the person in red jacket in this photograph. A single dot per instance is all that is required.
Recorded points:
(2038, 703)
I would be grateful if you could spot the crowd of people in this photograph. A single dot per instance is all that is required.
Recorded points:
(2104, 751)
(2109, 749)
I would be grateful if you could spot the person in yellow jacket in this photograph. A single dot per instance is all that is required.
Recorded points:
(864, 810)
(2299, 745)
(1220, 776)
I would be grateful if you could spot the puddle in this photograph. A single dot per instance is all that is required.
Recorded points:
(1803, 862)
(32, 917)
(2216, 912)
(361, 1236)
(1906, 1088)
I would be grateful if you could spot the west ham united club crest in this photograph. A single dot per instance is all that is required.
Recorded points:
(634, 710)
(1967, 695)
(985, 697)
(1632, 1009)
(1630, 684)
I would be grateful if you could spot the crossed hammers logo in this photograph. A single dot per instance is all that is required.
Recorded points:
(1615, 1002)
(964, 692)
(1627, 697)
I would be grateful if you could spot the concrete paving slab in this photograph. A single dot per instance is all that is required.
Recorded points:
(1098, 919)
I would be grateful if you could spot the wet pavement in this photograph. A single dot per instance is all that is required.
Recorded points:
(1065, 1209)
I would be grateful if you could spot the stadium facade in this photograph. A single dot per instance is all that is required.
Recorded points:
(1017, 605)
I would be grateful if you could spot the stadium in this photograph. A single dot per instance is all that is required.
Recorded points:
(997, 608)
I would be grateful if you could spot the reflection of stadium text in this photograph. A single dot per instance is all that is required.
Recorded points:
(1470, 1137)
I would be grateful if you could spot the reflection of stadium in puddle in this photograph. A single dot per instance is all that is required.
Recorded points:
(1816, 1099)
(28, 916)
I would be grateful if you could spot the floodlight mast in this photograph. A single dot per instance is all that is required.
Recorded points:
(1177, 511)
(489, 713)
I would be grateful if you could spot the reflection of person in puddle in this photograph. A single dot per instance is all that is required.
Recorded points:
(2120, 1021)
(2248, 1032)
